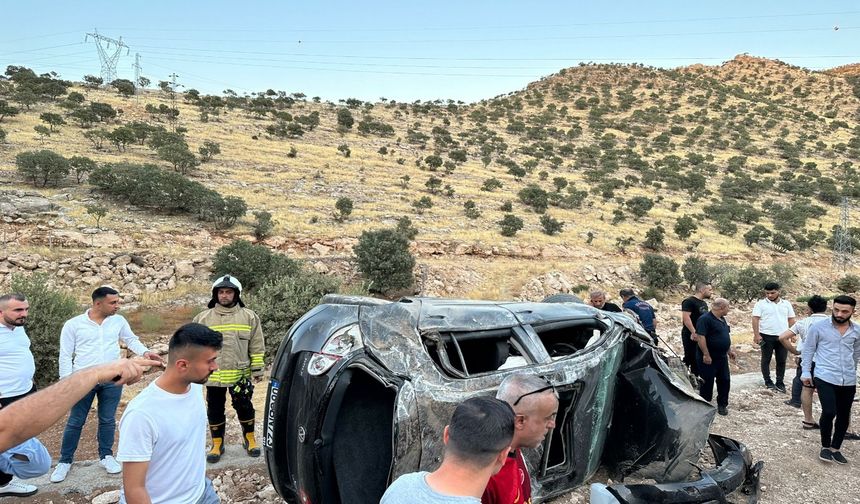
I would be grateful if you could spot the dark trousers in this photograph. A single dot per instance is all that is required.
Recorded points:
(717, 370)
(796, 384)
(769, 345)
(216, 400)
(5, 478)
(835, 404)
(690, 348)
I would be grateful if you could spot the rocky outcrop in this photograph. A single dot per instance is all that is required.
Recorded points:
(19, 206)
(131, 273)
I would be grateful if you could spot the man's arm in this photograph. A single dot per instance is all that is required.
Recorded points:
(33, 414)
(67, 349)
(134, 482)
(756, 335)
(791, 321)
(688, 322)
(132, 342)
(786, 339)
(810, 345)
(702, 340)
(257, 347)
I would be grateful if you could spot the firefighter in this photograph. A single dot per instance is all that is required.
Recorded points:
(240, 364)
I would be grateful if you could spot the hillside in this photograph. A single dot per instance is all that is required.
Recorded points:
(612, 150)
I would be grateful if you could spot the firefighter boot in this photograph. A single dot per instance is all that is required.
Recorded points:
(214, 454)
(248, 438)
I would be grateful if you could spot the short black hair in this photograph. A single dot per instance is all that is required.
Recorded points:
(103, 292)
(843, 299)
(17, 296)
(626, 293)
(194, 335)
(817, 304)
(480, 428)
(771, 286)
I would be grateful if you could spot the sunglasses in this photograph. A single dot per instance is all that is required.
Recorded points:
(549, 386)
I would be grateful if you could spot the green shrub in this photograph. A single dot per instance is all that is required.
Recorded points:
(654, 238)
(695, 269)
(405, 227)
(252, 264)
(49, 310)
(263, 224)
(685, 227)
(551, 225)
(281, 301)
(535, 197)
(384, 259)
(639, 206)
(848, 283)
(745, 283)
(343, 205)
(659, 271)
(42, 167)
(510, 224)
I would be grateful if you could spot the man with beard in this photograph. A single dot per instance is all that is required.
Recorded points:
(691, 309)
(598, 300)
(90, 339)
(834, 346)
(162, 434)
(241, 359)
(29, 459)
(771, 316)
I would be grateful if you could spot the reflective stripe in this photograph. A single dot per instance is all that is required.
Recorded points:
(230, 327)
(229, 375)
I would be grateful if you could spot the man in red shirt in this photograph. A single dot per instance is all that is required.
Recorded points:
(535, 405)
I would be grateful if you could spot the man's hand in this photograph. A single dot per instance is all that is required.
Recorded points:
(153, 356)
(258, 378)
(124, 371)
(807, 381)
(694, 337)
(707, 359)
(756, 338)
(732, 355)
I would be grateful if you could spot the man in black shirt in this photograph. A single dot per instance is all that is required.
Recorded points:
(714, 352)
(598, 300)
(691, 309)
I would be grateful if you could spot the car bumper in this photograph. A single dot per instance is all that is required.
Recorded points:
(734, 475)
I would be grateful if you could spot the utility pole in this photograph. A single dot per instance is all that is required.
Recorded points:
(173, 86)
(136, 74)
(108, 59)
(842, 249)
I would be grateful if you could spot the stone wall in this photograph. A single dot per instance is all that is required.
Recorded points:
(132, 273)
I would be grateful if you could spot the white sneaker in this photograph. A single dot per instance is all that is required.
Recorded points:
(17, 489)
(60, 472)
(111, 465)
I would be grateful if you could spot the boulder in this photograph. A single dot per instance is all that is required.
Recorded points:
(184, 269)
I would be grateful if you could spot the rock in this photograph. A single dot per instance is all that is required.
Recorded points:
(18, 204)
(321, 249)
(320, 267)
(24, 261)
(184, 269)
(107, 497)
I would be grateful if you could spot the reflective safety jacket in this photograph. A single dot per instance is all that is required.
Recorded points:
(243, 350)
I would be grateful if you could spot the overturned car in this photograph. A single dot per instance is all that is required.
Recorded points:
(361, 390)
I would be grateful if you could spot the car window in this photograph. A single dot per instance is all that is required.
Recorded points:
(569, 336)
(465, 354)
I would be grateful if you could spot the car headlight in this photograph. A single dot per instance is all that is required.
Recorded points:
(338, 346)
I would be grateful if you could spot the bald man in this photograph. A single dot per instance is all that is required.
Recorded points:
(713, 354)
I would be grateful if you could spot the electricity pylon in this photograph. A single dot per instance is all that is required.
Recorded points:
(107, 57)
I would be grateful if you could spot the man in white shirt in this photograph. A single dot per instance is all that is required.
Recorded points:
(162, 434)
(801, 396)
(29, 458)
(90, 339)
(771, 317)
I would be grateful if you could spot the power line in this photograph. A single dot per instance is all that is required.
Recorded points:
(511, 39)
(493, 27)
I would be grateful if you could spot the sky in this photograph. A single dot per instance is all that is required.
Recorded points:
(412, 50)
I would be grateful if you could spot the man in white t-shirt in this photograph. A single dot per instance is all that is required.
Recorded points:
(28, 459)
(162, 433)
(801, 396)
(771, 316)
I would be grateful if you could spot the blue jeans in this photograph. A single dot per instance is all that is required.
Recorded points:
(209, 496)
(109, 395)
(29, 459)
